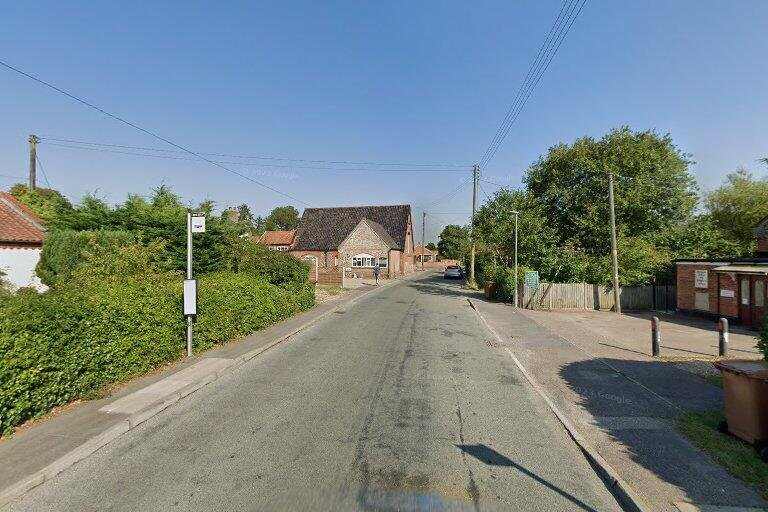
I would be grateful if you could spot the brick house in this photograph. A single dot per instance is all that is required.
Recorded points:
(278, 240)
(734, 288)
(423, 254)
(355, 238)
(21, 240)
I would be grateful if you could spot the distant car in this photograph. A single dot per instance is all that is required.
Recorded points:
(453, 272)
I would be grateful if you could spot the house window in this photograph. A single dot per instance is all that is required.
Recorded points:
(759, 294)
(383, 262)
(363, 260)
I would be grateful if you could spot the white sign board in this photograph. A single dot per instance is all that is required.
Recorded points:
(190, 297)
(701, 279)
(198, 223)
(727, 293)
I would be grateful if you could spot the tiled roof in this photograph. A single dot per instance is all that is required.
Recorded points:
(323, 229)
(18, 224)
(277, 237)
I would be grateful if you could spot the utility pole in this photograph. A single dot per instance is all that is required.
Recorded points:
(475, 176)
(33, 140)
(614, 253)
(516, 278)
(423, 234)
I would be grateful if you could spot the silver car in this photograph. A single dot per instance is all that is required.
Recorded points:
(453, 272)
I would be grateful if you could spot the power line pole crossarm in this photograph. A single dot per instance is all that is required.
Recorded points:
(33, 140)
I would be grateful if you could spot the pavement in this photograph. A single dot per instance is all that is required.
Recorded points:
(684, 337)
(624, 403)
(400, 400)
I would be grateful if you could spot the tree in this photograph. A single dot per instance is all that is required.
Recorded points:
(654, 189)
(738, 205)
(454, 242)
(431, 246)
(282, 218)
(45, 202)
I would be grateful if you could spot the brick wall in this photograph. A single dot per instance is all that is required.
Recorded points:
(716, 305)
(762, 245)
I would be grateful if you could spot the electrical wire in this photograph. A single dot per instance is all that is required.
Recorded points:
(559, 30)
(461, 167)
(330, 169)
(45, 176)
(446, 196)
(150, 133)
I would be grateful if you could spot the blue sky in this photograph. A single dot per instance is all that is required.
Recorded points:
(362, 81)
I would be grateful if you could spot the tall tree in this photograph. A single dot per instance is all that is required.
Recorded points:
(454, 242)
(282, 218)
(738, 205)
(654, 188)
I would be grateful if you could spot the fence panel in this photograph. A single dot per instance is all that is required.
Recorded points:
(593, 296)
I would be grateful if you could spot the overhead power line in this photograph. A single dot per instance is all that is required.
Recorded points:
(252, 164)
(459, 167)
(447, 195)
(569, 11)
(45, 176)
(150, 133)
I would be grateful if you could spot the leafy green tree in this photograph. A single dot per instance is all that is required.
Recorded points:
(738, 205)
(454, 242)
(431, 246)
(654, 189)
(45, 202)
(282, 218)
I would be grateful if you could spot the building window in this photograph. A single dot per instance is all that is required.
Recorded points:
(363, 260)
(383, 262)
(759, 294)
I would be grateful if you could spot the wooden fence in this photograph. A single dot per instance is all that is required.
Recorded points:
(593, 296)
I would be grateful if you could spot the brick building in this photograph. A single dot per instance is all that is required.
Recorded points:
(732, 288)
(278, 240)
(355, 238)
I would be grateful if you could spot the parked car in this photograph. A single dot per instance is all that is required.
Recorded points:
(453, 272)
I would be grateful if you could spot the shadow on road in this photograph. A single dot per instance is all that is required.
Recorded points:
(636, 413)
(491, 457)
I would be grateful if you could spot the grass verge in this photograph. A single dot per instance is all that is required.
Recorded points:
(737, 457)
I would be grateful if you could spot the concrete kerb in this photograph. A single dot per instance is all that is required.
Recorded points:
(627, 497)
(86, 449)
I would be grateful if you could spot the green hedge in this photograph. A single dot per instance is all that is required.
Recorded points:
(276, 267)
(109, 322)
(64, 250)
(233, 304)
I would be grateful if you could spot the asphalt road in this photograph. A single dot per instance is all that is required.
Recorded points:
(397, 403)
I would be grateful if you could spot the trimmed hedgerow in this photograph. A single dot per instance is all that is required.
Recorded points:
(64, 250)
(233, 304)
(119, 315)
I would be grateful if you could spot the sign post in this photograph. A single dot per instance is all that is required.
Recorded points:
(195, 224)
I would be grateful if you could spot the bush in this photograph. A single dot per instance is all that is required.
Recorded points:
(276, 267)
(762, 342)
(233, 304)
(69, 342)
(505, 284)
(117, 316)
(65, 250)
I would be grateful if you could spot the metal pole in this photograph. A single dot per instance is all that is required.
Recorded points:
(423, 234)
(189, 276)
(655, 336)
(33, 140)
(475, 172)
(723, 337)
(614, 253)
(516, 278)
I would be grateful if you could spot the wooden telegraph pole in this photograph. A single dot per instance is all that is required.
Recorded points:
(475, 176)
(614, 252)
(423, 234)
(33, 140)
